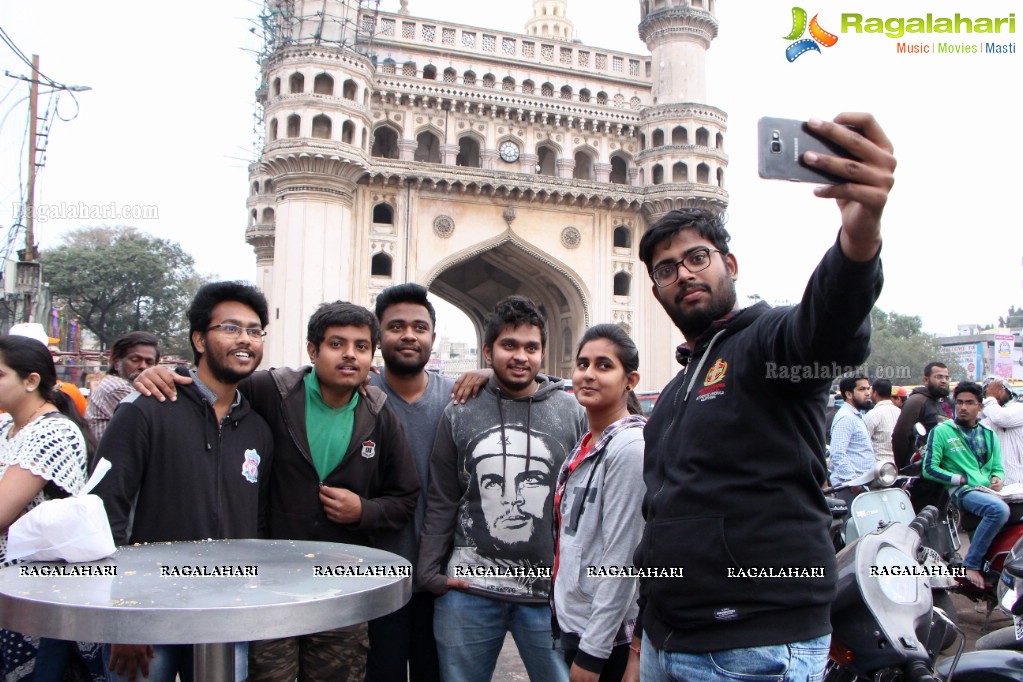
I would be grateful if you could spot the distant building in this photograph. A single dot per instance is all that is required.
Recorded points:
(983, 353)
(480, 163)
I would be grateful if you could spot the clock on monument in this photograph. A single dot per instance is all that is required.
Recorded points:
(509, 152)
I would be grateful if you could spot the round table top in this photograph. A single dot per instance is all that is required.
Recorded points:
(205, 592)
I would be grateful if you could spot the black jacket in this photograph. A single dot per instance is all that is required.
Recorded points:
(734, 465)
(194, 478)
(386, 480)
(920, 407)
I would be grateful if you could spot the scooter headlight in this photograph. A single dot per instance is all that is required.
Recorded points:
(886, 475)
(895, 576)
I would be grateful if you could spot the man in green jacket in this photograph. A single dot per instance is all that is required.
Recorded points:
(964, 455)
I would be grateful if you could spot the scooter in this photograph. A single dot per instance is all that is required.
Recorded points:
(885, 627)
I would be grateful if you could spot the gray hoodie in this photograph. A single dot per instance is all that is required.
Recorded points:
(489, 508)
(601, 524)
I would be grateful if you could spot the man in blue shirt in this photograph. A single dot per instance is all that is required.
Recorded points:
(852, 454)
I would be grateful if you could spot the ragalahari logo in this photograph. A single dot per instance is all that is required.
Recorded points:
(817, 35)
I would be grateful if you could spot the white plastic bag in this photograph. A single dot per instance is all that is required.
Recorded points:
(73, 529)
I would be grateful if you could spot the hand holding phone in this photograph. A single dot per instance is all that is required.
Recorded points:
(782, 143)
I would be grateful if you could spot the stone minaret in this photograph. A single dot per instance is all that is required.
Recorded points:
(550, 20)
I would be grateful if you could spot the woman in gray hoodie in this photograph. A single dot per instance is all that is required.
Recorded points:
(599, 521)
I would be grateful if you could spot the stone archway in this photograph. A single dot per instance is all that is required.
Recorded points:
(475, 281)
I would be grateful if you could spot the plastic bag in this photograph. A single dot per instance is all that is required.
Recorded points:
(73, 529)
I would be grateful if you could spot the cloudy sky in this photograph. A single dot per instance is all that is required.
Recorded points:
(168, 124)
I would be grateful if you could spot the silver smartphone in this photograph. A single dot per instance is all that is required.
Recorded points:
(781, 144)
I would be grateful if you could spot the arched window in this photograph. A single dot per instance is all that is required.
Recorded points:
(623, 237)
(546, 163)
(450, 75)
(658, 174)
(583, 166)
(385, 142)
(468, 152)
(657, 138)
(349, 89)
(489, 81)
(268, 186)
(547, 90)
(273, 129)
(721, 178)
(253, 216)
(642, 141)
(469, 78)
(703, 174)
(268, 216)
(296, 83)
(680, 172)
(348, 132)
(388, 66)
(619, 171)
(623, 283)
(566, 92)
(430, 72)
(255, 187)
(702, 137)
(719, 141)
(428, 148)
(679, 135)
(508, 83)
(294, 125)
(408, 69)
(528, 87)
(602, 98)
(322, 127)
(584, 95)
(383, 214)
(277, 87)
(323, 84)
(380, 266)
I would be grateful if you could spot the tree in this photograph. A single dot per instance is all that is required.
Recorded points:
(118, 279)
(899, 349)
(1013, 320)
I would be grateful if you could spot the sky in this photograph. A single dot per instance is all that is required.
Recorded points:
(167, 128)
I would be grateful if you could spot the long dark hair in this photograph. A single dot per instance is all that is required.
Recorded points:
(26, 356)
(625, 349)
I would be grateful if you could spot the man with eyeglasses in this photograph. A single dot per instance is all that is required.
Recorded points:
(928, 405)
(965, 457)
(734, 458)
(196, 468)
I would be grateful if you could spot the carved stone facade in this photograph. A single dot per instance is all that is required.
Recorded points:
(480, 163)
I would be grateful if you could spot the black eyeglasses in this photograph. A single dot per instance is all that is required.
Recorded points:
(235, 330)
(696, 260)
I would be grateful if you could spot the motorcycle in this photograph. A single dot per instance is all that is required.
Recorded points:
(885, 626)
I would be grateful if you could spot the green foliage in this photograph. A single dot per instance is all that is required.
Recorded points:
(1013, 320)
(899, 349)
(118, 279)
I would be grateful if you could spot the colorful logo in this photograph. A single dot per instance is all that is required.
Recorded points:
(250, 467)
(716, 373)
(817, 35)
(369, 448)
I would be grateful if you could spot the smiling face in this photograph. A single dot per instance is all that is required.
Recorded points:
(599, 381)
(342, 361)
(697, 298)
(229, 358)
(515, 358)
(406, 338)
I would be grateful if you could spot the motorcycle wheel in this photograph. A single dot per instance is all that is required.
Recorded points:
(943, 601)
(1005, 638)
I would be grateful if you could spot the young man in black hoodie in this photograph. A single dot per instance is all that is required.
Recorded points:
(735, 446)
(197, 468)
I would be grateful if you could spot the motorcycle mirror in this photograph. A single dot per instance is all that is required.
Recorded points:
(919, 429)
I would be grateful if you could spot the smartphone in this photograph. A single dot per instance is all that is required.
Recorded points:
(781, 145)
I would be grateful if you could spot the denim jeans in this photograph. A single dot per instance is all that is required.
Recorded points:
(796, 662)
(470, 631)
(993, 514)
(173, 660)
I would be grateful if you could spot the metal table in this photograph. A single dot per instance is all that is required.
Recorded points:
(151, 594)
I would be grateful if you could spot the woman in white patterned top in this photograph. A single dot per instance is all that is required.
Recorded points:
(43, 454)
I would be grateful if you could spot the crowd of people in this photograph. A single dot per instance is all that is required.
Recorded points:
(522, 508)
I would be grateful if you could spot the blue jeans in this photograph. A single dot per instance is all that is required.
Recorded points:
(796, 662)
(173, 660)
(993, 514)
(470, 631)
